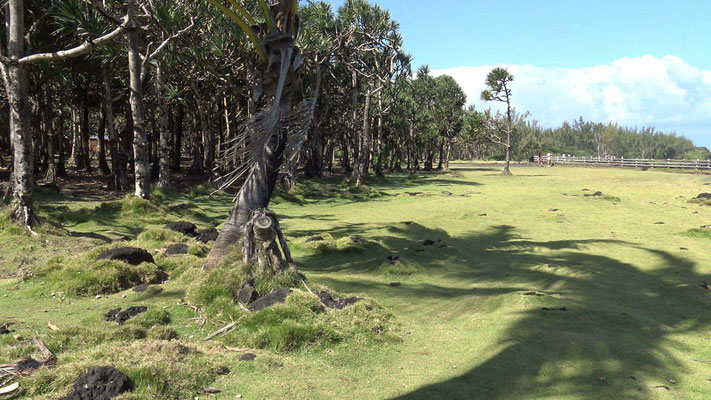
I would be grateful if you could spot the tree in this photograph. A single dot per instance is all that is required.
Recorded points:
(266, 137)
(498, 81)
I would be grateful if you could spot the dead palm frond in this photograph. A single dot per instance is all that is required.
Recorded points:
(248, 149)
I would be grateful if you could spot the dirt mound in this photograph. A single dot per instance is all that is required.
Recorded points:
(175, 249)
(184, 227)
(275, 297)
(207, 235)
(131, 255)
(115, 314)
(100, 383)
(337, 303)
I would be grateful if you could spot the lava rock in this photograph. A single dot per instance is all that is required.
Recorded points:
(277, 296)
(247, 294)
(393, 259)
(207, 235)
(317, 238)
(337, 303)
(178, 248)
(131, 255)
(184, 227)
(121, 317)
(100, 383)
(141, 288)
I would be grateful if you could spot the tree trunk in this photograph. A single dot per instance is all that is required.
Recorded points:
(164, 169)
(100, 136)
(178, 142)
(441, 154)
(118, 173)
(381, 152)
(84, 139)
(506, 170)
(364, 156)
(140, 151)
(23, 179)
(356, 132)
(254, 195)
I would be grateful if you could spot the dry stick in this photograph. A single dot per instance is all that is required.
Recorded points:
(222, 330)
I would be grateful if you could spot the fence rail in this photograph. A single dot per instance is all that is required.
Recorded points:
(633, 162)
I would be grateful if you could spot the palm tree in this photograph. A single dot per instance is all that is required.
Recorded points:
(265, 139)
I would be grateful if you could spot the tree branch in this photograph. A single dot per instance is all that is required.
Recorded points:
(82, 49)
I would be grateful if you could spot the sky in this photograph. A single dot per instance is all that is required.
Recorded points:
(634, 62)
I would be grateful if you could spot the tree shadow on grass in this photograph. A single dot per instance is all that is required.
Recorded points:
(614, 340)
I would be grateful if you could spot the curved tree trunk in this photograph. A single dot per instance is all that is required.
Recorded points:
(254, 195)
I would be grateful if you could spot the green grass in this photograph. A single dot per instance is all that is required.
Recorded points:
(463, 326)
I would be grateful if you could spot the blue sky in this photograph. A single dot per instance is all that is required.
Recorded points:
(635, 62)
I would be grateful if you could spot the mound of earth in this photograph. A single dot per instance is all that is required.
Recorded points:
(115, 314)
(178, 248)
(337, 303)
(184, 227)
(100, 383)
(207, 235)
(130, 255)
(275, 297)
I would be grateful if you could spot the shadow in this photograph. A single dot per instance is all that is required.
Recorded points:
(619, 322)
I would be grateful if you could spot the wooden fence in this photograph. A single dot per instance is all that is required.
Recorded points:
(632, 162)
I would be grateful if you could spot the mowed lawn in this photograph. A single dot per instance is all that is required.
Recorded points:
(620, 273)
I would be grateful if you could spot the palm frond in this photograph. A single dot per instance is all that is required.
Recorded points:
(248, 149)
(243, 25)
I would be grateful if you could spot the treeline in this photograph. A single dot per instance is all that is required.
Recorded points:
(579, 138)
(140, 90)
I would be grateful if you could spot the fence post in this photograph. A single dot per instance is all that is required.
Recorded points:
(669, 163)
(697, 164)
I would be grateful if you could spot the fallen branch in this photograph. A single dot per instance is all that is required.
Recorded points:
(222, 330)
(29, 365)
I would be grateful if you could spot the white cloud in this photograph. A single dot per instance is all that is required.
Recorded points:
(666, 93)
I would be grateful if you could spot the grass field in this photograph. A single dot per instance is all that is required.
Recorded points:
(468, 320)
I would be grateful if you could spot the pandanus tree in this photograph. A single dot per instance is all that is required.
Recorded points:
(273, 134)
(498, 82)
